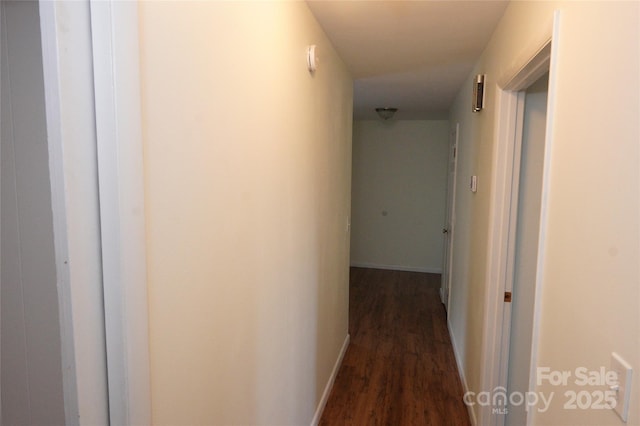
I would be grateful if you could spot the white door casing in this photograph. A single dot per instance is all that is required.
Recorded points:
(526, 244)
(70, 116)
(92, 97)
(449, 217)
(539, 57)
(114, 26)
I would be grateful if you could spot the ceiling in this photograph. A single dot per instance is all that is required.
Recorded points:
(413, 55)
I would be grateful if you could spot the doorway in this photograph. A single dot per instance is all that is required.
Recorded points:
(527, 227)
(539, 58)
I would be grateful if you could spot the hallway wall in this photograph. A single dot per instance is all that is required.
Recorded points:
(248, 169)
(590, 276)
(398, 195)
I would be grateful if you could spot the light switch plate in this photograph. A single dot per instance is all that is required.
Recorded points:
(623, 371)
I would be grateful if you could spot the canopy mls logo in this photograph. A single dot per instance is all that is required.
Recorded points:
(603, 397)
(499, 400)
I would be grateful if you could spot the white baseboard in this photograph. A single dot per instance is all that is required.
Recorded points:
(329, 386)
(465, 386)
(397, 267)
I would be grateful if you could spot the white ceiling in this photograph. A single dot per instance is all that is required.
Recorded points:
(413, 55)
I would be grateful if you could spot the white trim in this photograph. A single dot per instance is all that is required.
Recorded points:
(524, 70)
(544, 210)
(396, 267)
(498, 233)
(463, 379)
(2, 35)
(332, 378)
(530, 66)
(511, 226)
(51, 74)
(114, 27)
(531, 71)
(452, 222)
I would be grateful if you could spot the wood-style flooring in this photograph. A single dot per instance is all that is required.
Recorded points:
(399, 368)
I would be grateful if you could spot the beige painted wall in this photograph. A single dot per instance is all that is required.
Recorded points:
(398, 196)
(590, 279)
(248, 168)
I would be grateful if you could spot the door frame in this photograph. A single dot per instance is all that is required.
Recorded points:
(120, 193)
(115, 42)
(538, 57)
(74, 331)
(1, 34)
(445, 289)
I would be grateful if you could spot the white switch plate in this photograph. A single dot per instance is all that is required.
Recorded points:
(623, 371)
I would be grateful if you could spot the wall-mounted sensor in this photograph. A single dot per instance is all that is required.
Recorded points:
(312, 59)
(473, 185)
(478, 93)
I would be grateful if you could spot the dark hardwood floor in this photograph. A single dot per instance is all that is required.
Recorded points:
(399, 368)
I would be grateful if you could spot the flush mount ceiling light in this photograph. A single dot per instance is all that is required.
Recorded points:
(386, 113)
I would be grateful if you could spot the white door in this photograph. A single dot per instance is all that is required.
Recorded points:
(449, 217)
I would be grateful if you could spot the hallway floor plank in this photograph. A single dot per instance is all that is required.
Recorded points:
(399, 368)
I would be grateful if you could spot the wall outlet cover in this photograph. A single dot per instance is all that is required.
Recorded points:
(623, 394)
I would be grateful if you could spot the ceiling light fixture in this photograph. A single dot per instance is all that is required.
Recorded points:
(386, 113)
